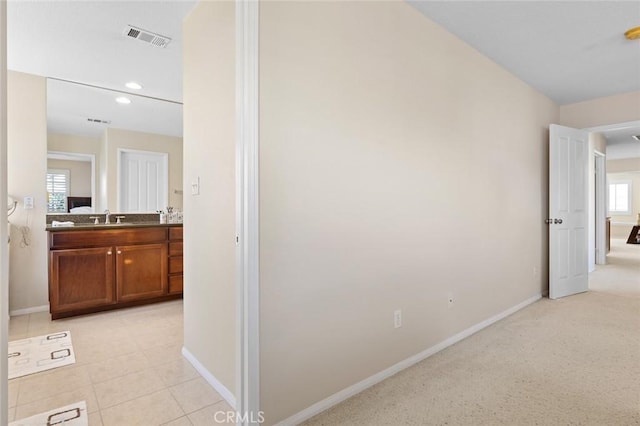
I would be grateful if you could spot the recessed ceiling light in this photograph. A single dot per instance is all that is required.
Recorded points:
(123, 100)
(133, 85)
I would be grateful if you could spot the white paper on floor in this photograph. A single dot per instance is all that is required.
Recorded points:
(35, 354)
(71, 415)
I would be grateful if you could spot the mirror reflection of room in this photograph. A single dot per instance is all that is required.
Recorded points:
(104, 154)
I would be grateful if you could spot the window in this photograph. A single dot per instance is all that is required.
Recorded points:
(620, 197)
(57, 190)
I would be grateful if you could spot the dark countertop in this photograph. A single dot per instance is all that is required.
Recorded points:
(91, 226)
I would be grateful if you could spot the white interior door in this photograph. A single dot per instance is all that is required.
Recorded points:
(568, 211)
(144, 181)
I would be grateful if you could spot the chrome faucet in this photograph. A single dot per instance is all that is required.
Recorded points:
(107, 217)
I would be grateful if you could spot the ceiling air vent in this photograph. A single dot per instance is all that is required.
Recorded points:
(146, 36)
(99, 121)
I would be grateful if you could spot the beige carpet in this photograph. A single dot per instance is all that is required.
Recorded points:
(573, 361)
(621, 274)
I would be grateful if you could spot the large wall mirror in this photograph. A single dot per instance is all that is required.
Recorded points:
(111, 150)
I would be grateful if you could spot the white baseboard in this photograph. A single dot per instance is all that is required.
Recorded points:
(344, 394)
(25, 311)
(210, 378)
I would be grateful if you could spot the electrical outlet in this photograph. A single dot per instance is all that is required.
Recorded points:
(450, 299)
(397, 318)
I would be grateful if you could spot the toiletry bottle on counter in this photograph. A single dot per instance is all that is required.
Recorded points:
(163, 217)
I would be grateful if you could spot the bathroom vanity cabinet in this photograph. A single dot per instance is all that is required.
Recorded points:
(98, 269)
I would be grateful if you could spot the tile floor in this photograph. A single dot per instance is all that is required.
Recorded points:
(129, 369)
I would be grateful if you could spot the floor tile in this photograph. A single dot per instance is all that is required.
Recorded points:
(153, 409)
(195, 394)
(163, 354)
(125, 388)
(117, 366)
(216, 414)
(182, 421)
(176, 372)
(59, 400)
(95, 419)
(51, 382)
(13, 393)
(18, 327)
(91, 350)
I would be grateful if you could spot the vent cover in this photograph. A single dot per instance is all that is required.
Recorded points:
(99, 121)
(146, 36)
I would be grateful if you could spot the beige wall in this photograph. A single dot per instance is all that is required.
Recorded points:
(79, 175)
(209, 153)
(77, 144)
(625, 165)
(621, 224)
(602, 111)
(116, 139)
(27, 158)
(397, 165)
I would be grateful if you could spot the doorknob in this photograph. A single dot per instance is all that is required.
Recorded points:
(557, 221)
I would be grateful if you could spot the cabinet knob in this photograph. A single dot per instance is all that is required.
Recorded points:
(119, 252)
(109, 252)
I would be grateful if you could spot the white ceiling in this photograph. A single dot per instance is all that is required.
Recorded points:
(569, 50)
(83, 41)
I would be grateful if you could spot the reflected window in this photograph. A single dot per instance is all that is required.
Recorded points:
(57, 190)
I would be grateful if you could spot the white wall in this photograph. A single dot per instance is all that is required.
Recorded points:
(209, 153)
(116, 139)
(397, 165)
(27, 157)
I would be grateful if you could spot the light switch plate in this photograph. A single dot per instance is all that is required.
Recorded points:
(28, 203)
(195, 186)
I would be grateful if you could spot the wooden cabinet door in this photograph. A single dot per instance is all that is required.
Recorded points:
(81, 278)
(141, 271)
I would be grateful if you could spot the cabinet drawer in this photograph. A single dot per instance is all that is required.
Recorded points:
(175, 233)
(106, 237)
(175, 248)
(175, 264)
(175, 284)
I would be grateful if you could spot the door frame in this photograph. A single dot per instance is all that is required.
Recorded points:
(4, 249)
(601, 207)
(165, 165)
(247, 213)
